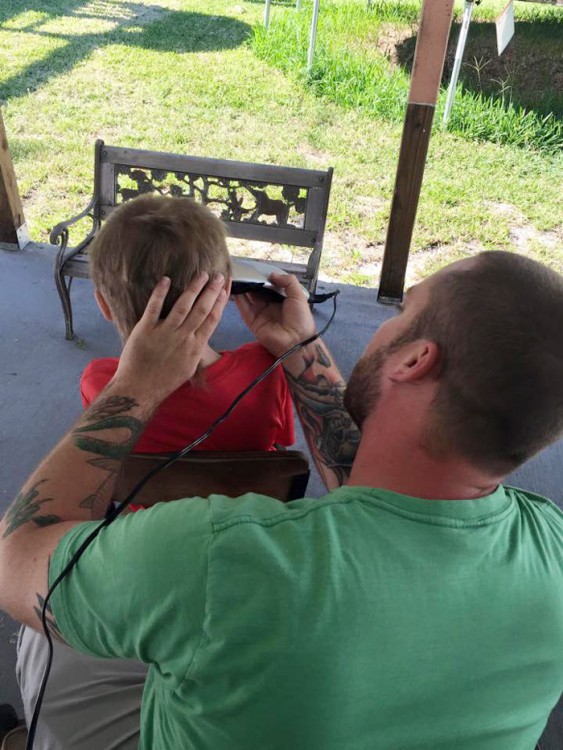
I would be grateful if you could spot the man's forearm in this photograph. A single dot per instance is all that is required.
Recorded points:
(76, 480)
(318, 389)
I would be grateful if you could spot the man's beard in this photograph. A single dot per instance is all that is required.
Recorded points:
(364, 386)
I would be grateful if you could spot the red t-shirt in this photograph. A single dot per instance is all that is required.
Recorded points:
(263, 417)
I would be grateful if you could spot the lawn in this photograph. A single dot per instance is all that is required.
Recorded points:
(201, 78)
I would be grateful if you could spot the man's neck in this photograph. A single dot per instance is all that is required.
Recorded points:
(398, 462)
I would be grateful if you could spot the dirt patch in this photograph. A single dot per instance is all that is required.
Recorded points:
(350, 257)
(368, 205)
(265, 251)
(314, 157)
(501, 209)
(393, 41)
(526, 239)
(529, 70)
(428, 260)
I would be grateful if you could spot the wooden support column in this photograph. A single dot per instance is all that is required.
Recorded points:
(431, 44)
(12, 222)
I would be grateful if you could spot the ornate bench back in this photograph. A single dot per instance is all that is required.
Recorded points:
(274, 204)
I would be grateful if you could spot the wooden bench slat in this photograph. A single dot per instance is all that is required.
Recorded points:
(236, 170)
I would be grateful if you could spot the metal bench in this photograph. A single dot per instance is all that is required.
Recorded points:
(278, 205)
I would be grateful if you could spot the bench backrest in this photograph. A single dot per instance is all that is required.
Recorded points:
(284, 205)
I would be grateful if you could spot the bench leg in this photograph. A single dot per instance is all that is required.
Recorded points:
(64, 293)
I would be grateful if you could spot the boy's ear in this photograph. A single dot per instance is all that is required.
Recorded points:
(228, 285)
(103, 305)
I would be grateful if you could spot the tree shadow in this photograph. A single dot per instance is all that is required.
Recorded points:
(150, 27)
(13, 9)
(529, 72)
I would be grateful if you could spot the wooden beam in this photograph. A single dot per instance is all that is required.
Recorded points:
(431, 44)
(12, 222)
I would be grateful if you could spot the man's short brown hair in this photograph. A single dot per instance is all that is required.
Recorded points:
(149, 237)
(499, 325)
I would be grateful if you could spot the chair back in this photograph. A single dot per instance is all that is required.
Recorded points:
(280, 474)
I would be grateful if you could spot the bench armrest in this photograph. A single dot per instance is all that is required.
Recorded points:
(59, 233)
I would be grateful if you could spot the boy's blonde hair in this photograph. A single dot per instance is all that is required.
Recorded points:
(149, 237)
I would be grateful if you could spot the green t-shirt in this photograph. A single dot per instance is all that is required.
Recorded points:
(364, 620)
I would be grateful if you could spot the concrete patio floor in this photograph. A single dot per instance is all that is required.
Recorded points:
(39, 395)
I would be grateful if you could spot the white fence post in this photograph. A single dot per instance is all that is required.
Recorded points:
(467, 11)
(313, 36)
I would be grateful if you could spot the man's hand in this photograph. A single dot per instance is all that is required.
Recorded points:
(277, 326)
(161, 355)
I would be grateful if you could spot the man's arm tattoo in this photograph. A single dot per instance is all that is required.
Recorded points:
(26, 507)
(96, 502)
(329, 429)
(107, 414)
(49, 617)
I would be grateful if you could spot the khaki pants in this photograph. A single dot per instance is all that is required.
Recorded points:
(89, 704)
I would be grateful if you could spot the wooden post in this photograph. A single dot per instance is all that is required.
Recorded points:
(431, 44)
(12, 222)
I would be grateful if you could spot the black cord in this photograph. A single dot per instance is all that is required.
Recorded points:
(116, 510)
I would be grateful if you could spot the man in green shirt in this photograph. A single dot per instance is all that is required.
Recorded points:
(418, 606)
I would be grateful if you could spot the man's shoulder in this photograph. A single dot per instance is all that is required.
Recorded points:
(267, 512)
(530, 503)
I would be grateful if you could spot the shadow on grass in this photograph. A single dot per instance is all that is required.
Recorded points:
(149, 27)
(529, 72)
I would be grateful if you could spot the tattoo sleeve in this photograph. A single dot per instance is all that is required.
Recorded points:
(318, 394)
(109, 414)
(73, 483)
(108, 432)
(27, 507)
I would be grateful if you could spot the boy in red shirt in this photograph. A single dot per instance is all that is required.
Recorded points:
(154, 236)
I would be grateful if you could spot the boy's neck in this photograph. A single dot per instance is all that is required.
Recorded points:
(208, 357)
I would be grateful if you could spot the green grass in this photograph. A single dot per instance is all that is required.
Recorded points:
(183, 76)
(363, 60)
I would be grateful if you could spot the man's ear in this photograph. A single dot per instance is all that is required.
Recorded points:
(415, 361)
(103, 305)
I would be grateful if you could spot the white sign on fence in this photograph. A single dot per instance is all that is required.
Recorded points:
(505, 26)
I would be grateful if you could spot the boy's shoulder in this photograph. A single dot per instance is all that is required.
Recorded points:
(96, 375)
(100, 366)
